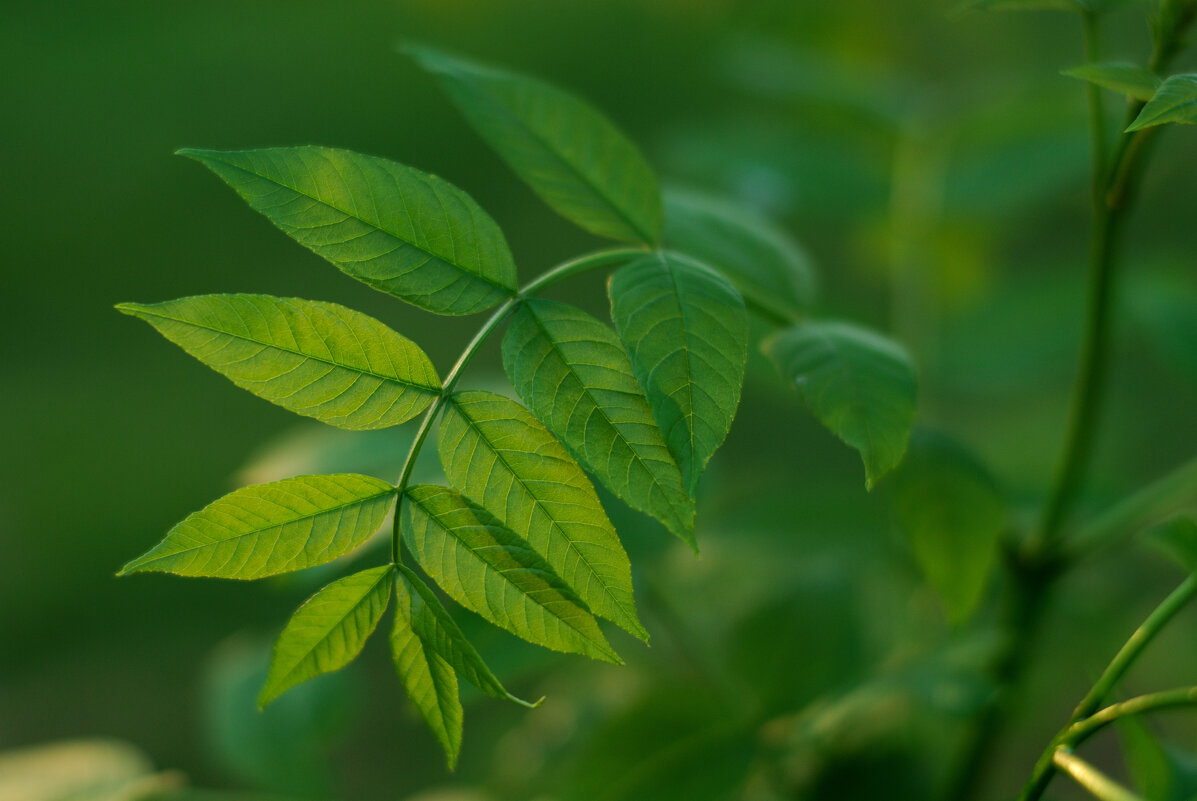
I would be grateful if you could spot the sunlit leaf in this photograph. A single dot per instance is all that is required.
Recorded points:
(328, 631)
(1175, 101)
(769, 268)
(272, 528)
(687, 337)
(317, 359)
(563, 148)
(952, 514)
(501, 457)
(859, 384)
(490, 570)
(402, 231)
(1128, 79)
(426, 675)
(432, 623)
(573, 372)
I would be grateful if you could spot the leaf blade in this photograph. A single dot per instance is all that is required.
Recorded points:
(480, 563)
(1128, 79)
(402, 231)
(568, 152)
(686, 331)
(328, 631)
(300, 522)
(497, 454)
(859, 384)
(320, 360)
(572, 371)
(1175, 101)
(427, 677)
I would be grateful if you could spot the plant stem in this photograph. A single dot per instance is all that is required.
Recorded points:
(590, 261)
(1093, 780)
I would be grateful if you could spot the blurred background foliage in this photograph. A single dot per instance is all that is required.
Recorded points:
(935, 167)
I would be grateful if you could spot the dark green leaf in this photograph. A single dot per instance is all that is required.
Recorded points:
(317, 359)
(573, 372)
(860, 384)
(490, 570)
(1175, 101)
(568, 152)
(434, 626)
(426, 675)
(1177, 539)
(769, 268)
(402, 231)
(687, 337)
(328, 631)
(1127, 79)
(953, 515)
(272, 528)
(496, 453)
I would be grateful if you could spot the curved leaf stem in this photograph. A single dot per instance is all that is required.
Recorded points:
(590, 261)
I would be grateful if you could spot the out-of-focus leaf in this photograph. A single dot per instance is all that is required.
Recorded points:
(501, 457)
(1160, 770)
(573, 372)
(81, 770)
(427, 676)
(1175, 101)
(859, 384)
(769, 268)
(317, 359)
(1127, 79)
(273, 528)
(1025, 5)
(686, 333)
(490, 570)
(1177, 539)
(402, 231)
(953, 514)
(571, 155)
(328, 631)
(1165, 310)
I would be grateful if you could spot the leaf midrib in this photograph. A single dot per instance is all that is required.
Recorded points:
(140, 310)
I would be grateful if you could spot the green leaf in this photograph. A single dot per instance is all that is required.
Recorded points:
(1146, 760)
(768, 267)
(434, 626)
(328, 631)
(573, 372)
(572, 156)
(490, 570)
(1128, 79)
(496, 453)
(426, 675)
(860, 384)
(687, 337)
(1177, 539)
(272, 528)
(953, 514)
(317, 359)
(402, 231)
(1024, 5)
(1175, 101)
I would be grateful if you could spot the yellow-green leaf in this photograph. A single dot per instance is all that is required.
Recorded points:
(1131, 80)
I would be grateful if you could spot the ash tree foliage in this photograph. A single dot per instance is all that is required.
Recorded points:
(639, 403)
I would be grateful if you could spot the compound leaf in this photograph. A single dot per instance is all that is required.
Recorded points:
(490, 570)
(859, 384)
(432, 623)
(328, 631)
(1127, 79)
(496, 453)
(573, 372)
(571, 155)
(426, 675)
(317, 359)
(952, 513)
(402, 231)
(1175, 101)
(272, 528)
(769, 268)
(687, 336)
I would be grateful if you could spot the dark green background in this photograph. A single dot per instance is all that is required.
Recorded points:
(110, 435)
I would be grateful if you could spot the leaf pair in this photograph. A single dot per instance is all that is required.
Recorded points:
(1171, 100)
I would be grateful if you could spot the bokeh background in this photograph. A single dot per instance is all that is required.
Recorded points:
(933, 164)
